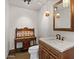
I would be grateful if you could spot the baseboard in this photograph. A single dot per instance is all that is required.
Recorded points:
(11, 52)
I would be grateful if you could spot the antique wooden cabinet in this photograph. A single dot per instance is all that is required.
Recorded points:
(25, 36)
(48, 52)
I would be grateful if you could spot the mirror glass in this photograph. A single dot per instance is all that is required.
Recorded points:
(62, 17)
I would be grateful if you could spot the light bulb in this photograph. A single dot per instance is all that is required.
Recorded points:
(47, 13)
(66, 3)
(58, 15)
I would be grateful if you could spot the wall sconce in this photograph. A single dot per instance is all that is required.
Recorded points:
(47, 13)
(58, 15)
(66, 3)
(55, 8)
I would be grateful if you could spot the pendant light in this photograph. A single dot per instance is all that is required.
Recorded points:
(28, 1)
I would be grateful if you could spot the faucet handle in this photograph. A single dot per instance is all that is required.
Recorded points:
(62, 38)
(58, 36)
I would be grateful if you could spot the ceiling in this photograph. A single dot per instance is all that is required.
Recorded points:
(34, 4)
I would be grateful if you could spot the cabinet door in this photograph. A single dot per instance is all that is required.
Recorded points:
(52, 56)
(44, 54)
(26, 44)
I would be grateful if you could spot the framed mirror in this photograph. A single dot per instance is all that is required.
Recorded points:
(63, 18)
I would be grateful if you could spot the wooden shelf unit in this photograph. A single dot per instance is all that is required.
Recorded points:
(24, 35)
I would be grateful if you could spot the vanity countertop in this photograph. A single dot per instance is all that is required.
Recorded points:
(59, 45)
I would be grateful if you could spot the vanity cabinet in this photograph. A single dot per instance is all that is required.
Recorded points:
(48, 52)
(44, 54)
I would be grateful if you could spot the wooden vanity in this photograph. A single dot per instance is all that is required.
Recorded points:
(48, 52)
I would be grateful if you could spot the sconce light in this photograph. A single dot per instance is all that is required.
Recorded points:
(47, 13)
(58, 15)
(55, 8)
(66, 3)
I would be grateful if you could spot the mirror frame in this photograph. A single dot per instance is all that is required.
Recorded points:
(71, 17)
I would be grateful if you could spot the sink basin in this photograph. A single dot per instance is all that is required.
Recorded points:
(58, 44)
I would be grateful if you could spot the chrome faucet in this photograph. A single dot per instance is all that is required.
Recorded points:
(58, 36)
